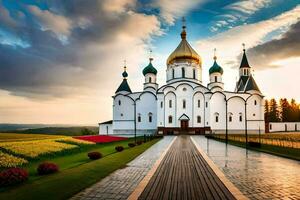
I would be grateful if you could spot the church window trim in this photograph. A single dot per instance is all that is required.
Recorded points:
(150, 80)
(230, 117)
(173, 73)
(216, 79)
(170, 103)
(150, 117)
(194, 74)
(119, 102)
(255, 102)
(198, 119)
(170, 119)
(241, 117)
(183, 72)
(216, 117)
(184, 104)
(199, 103)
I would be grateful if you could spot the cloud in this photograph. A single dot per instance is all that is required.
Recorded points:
(5, 19)
(239, 12)
(50, 21)
(267, 55)
(99, 39)
(229, 42)
(170, 10)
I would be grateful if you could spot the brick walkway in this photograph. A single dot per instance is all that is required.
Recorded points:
(121, 183)
(257, 175)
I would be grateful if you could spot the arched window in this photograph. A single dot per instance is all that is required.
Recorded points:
(230, 117)
(194, 74)
(139, 117)
(183, 72)
(183, 104)
(161, 104)
(206, 104)
(217, 117)
(170, 119)
(119, 102)
(150, 117)
(198, 119)
(216, 79)
(173, 73)
(241, 117)
(150, 79)
(170, 103)
(198, 103)
(255, 102)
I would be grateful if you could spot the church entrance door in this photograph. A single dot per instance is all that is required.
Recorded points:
(184, 124)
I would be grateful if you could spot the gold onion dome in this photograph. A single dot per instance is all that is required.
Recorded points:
(184, 51)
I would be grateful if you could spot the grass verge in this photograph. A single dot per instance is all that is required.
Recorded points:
(291, 153)
(68, 182)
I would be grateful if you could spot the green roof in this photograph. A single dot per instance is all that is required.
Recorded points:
(244, 63)
(149, 69)
(216, 68)
(124, 86)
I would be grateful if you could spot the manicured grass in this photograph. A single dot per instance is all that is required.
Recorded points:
(70, 181)
(286, 152)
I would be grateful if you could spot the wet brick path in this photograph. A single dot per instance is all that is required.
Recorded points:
(121, 183)
(257, 175)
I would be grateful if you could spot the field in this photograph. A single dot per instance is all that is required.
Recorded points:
(281, 144)
(70, 155)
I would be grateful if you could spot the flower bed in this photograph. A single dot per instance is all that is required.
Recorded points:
(33, 149)
(100, 138)
(13, 176)
(47, 168)
(7, 160)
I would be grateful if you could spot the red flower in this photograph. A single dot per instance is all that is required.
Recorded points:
(13, 176)
(100, 138)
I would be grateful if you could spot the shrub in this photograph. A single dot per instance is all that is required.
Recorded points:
(139, 142)
(13, 176)
(131, 144)
(119, 148)
(47, 168)
(94, 155)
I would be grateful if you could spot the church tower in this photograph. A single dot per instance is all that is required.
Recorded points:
(124, 87)
(150, 77)
(215, 76)
(246, 81)
(184, 62)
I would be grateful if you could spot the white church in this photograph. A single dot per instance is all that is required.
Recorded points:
(184, 104)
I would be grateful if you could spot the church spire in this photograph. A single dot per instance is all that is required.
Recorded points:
(125, 74)
(244, 63)
(183, 32)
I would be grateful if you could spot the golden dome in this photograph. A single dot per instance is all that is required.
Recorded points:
(184, 52)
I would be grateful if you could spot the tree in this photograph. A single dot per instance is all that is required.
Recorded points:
(267, 111)
(284, 110)
(293, 111)
(86, 131)
(274, 113)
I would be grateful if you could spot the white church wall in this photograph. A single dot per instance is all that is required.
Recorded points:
(105, 129)
(284, 127)
(236, 108)
(198, 111)
(184, 92)
(170, 110)
(217, 108)
(160, 110)
(146, 105)
(123, 113)
(207, 109)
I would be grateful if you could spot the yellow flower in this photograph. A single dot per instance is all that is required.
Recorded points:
(7, 160)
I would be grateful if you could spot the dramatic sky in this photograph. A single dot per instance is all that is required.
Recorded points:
(61, 60)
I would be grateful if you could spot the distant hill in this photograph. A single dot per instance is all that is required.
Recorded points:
(42, 129)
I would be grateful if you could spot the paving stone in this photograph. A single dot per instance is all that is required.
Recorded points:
(256, 174)
(121, 183)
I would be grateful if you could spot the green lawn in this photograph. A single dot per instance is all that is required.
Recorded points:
(286, 152)
(76, 173)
